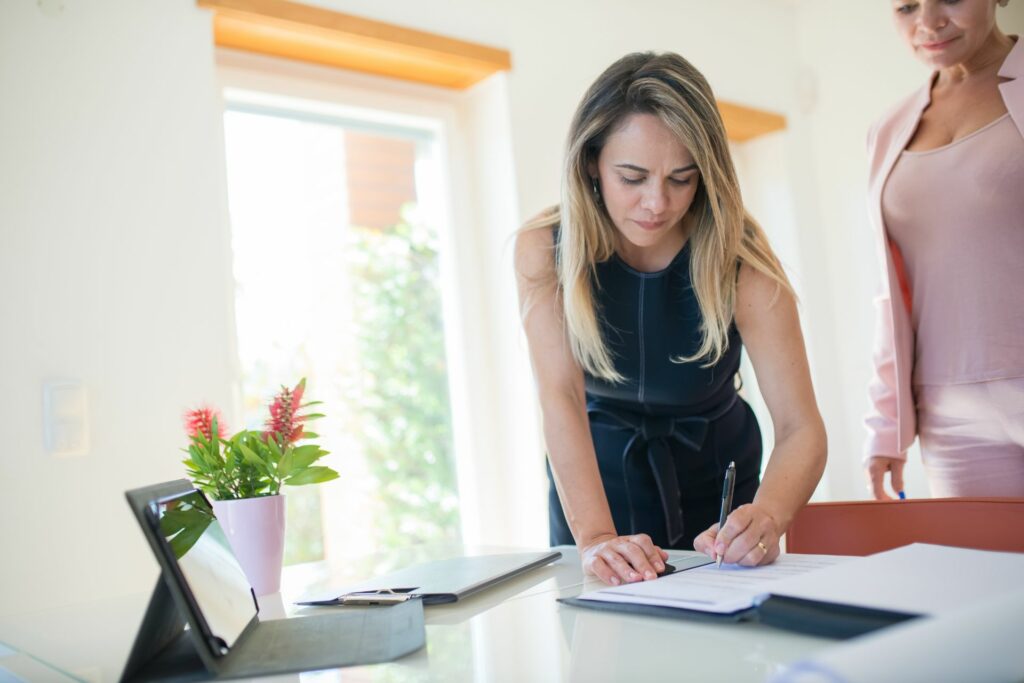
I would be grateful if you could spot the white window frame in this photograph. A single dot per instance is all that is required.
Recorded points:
(285, 85)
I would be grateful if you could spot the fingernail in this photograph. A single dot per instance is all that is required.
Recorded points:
(650, 575)
(720, 548)
(634, 576)
(660, 567)
(615, 580)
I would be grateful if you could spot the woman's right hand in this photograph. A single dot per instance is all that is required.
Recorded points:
(876, 469)
(623, 559)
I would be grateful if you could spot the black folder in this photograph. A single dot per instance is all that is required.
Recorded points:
(825, 620)
(818, 618)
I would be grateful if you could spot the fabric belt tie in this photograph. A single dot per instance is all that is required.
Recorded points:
(651, 435)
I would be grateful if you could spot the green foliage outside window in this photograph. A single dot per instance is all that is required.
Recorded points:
(398, 402)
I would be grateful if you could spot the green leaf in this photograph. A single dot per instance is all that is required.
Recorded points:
(285, 464)
(197, 458)
(250, 456)
(309, 435)
(311, 475)
(304, 456)
(190, 533)
(274, 449)
(173, 521)
(312, 416)
(193, 470)
(214, 451)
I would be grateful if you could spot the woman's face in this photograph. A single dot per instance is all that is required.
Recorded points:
(647, 178)
(944, 33)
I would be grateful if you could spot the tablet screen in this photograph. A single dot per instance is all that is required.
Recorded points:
(212, 573)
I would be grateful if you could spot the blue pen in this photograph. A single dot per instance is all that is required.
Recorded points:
(902, 495)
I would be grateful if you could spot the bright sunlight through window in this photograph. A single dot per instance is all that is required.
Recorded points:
(336, 262)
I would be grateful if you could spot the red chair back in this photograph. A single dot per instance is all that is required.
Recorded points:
(866, 527)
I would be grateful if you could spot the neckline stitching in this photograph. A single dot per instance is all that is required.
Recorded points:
(658, 273)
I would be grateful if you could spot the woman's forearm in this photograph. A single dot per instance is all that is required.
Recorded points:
(793, 471)
(574, 464)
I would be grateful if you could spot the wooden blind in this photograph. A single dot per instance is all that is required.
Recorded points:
(311, 34)
(320, 36)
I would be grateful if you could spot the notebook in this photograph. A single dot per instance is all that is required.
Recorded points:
(437, 582)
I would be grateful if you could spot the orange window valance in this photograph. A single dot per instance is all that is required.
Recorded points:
(321, 36)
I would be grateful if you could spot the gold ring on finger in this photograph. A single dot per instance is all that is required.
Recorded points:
(762, 546)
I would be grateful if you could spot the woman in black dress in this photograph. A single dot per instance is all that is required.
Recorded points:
(637, 293)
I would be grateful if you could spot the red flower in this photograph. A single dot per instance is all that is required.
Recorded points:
(285, 425)
(200, 421)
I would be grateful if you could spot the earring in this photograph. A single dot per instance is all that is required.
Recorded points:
(597, 190)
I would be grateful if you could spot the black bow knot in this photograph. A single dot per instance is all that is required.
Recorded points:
(656, 427)
(650, 435)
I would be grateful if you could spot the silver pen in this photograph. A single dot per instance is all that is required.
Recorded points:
(727, 488)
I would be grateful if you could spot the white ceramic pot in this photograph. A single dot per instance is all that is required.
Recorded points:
(255, 529)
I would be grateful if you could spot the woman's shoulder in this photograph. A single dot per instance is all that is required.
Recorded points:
(535, 244)
(545, 219)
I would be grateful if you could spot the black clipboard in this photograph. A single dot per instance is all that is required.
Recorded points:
(817, 618)
(749, 614)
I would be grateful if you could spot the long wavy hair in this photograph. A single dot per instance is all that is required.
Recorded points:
(723, 234)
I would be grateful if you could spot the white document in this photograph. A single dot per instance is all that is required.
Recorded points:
(724, 590)
(914, 579)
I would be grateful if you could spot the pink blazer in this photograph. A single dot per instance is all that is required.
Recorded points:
(892, 422)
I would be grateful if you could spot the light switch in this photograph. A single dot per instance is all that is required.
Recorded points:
(51, 8)
(65, 418)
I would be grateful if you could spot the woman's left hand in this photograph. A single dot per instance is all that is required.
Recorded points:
(750, 538)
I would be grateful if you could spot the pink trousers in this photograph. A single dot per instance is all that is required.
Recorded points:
(972, 437)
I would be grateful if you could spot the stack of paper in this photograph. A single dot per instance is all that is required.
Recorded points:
(911, 581)
(719, 590)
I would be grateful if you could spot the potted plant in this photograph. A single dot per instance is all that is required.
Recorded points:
(243, 476)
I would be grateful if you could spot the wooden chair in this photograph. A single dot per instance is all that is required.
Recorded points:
(866, 527)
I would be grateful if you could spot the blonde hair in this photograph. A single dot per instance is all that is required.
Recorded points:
(723, 234)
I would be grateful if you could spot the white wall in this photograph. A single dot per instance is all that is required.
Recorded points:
(114, 271)
(115, 260)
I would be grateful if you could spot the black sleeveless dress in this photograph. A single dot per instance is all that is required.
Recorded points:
(665, 436)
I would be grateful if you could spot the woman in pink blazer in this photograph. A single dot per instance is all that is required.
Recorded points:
(946, 198)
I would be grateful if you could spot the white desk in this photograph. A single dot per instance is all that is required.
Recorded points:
(513, 632)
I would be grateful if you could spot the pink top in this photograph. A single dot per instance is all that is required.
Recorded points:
(957, 215)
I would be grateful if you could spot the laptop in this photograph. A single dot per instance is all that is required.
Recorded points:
(203, 618)
(435, 582)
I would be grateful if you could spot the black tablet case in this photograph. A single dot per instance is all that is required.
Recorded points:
(165, 651)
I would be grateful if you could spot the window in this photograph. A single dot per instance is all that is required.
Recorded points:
(338, 223)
